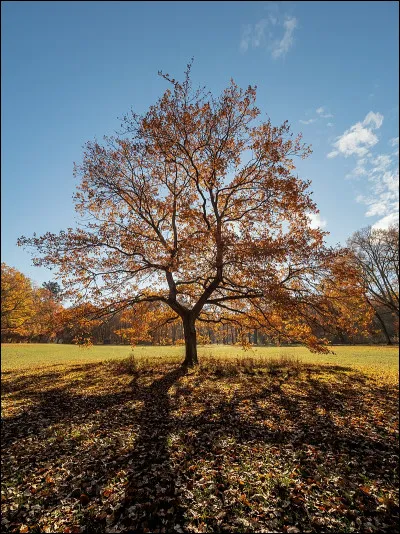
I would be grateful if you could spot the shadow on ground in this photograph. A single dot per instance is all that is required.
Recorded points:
(311, 447)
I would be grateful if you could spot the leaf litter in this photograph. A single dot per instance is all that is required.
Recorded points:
(225, 448)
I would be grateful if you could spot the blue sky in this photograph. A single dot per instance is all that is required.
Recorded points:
(70, 69)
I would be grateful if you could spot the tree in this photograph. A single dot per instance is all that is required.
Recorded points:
(17, 306)
(377, 254)
(195, 205)
(27, 312)
(54, 288)
(75, 324)
(45, 323)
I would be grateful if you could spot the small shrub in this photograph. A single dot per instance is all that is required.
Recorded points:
(284, 365)
(227, 368)
(127, 366)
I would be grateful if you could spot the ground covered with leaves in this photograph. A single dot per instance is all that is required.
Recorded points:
(240, 445)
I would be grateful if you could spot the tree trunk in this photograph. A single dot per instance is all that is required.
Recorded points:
(189, 330)
(173, 334)
(384, 329)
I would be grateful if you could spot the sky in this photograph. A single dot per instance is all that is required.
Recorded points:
(71, 69)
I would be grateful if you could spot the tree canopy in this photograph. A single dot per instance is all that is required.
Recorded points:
(17, 305)
(27, 312)
(195, 205)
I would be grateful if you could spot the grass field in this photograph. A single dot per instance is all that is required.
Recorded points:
(108, 439)
(22, 355)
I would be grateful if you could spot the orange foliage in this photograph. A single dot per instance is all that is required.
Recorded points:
(197, 207)
(17, 306)
(27, 312)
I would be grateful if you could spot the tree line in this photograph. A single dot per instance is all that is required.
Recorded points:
(37, 314)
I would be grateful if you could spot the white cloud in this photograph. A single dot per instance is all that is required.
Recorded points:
(307, 122)
(359, 138)
(387, 221)
(359, 170)
(263, 34)
(246, 38)
(383, 199)
(357, 141)
(375, 118)
(330, 124)
(381, 171)
(322, 113)
(371, 166)
(316, 220)
(333, 154)
(280, 48)
(394, 142)
(259, 32)
(254, 36)
(381, 163)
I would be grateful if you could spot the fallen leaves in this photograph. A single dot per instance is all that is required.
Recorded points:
(199, 453)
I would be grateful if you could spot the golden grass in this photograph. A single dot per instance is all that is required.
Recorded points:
(373, 358)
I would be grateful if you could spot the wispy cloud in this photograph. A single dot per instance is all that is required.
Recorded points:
(265, 34)
(323, 113)
(246, 38)
(379, 171)
(394, 142)
(254, 36)
(307, 122)
(280, 48)
(375, 119)
(358, 139)
(383, 199)
(386, 222)
(359, 169)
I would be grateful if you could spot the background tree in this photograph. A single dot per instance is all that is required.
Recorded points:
(195, 205)
(17, 305)
(54, 288)
(45, 322)
(377, 254)
(28, 313)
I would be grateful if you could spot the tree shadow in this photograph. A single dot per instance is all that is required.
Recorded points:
(22, 383)
(51, 402)
(320, 445)
(150, 502)
(306, 424)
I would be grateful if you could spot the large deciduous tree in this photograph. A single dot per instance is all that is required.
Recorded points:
(195, 206)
